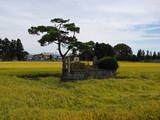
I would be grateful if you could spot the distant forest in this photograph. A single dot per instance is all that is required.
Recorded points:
(121, 51)
(13, 50)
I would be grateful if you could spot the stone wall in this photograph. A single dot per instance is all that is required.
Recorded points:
(83, 74)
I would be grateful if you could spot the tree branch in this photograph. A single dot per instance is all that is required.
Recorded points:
(59, 49)
(67, 52)
(73, 34)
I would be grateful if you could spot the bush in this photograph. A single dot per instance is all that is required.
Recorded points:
(107, 63)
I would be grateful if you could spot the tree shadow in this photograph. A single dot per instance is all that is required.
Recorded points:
(38, 76)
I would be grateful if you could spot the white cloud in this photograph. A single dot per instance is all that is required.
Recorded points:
(103, 20)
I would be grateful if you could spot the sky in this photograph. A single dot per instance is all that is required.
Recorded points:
(134, 22)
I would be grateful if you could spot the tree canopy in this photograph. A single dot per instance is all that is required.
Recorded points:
(89, 50)
(12, 50)
(123, 51)
(102, 49)
(61, 33)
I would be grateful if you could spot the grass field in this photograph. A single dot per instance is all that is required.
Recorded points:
(33, 91)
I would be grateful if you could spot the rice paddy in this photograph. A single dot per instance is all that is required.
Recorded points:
(33, 91)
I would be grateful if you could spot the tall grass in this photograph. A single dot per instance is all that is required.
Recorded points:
(133, 95)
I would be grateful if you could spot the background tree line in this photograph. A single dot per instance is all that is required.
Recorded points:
(123, 52)
(147, 55)
(12, 50)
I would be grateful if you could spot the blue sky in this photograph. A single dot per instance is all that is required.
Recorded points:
(134, 22)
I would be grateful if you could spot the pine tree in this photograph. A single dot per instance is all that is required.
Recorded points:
(139, 54)
(12, 50)
(6, 49)
(154, 55)
(1, 49)
(143, 55)
(158, 56)
(19, 50)
(147, 55)
(13, 46)
(150, 55)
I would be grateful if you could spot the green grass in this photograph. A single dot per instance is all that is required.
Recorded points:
(133, 95)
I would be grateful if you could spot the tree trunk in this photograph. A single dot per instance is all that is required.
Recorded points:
(63, 65)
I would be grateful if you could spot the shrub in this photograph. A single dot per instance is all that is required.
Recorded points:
(107, 63)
